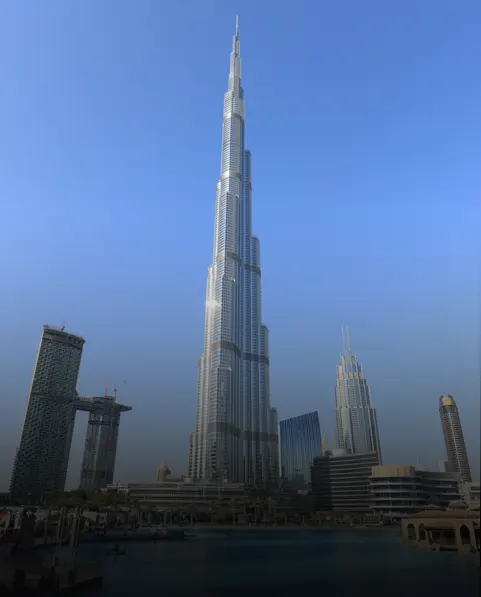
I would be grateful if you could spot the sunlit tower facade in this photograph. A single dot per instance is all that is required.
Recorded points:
(236, 434)
(454, 438)
(356, 420)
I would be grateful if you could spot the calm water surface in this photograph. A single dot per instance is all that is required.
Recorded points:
(334, 563)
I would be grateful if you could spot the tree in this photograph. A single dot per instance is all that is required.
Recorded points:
(272, 505)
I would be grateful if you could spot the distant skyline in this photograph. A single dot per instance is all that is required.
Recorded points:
(364, 123)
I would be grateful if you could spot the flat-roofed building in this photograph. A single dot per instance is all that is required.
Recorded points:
(400, 490)
(341, 481)
(177, 493)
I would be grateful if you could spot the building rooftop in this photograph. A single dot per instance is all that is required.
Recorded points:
(446, 400)
(455, 510)
(62, 329)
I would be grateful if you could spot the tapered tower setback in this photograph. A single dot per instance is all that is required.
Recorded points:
(236, 436)
(356, 420)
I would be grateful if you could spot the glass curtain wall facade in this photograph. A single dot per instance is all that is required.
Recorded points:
(236, 437)
(356, 420)
(301, 442)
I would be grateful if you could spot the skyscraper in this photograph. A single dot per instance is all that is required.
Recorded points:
(300, 444)
(453, 437)
(356, 420)
(236, 435)
(98, 462)
(42, 456)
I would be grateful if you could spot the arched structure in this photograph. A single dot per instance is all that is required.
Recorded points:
(455, 528)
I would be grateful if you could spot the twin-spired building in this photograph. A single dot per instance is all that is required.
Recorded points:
(236, 434)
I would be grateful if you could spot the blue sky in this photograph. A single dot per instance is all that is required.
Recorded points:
(363, 121)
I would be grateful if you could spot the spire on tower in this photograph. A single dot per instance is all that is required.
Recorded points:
(346, 343)
(235, 39)
(235, 60)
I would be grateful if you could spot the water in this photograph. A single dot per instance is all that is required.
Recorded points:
(338, 563)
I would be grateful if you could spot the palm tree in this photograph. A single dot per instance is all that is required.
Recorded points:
(191, 511)
(257, 506)
(233, 504)
(272, 505)
(212, 514)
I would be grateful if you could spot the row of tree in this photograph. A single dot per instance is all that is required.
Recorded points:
(253, 508)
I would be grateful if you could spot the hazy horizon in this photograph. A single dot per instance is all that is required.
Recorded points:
(364, 127)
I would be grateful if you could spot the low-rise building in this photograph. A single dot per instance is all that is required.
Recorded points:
(400, 490)
(178, 493)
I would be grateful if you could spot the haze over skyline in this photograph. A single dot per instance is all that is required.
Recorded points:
(364, 127)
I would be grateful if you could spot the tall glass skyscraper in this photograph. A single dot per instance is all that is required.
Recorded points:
(301, 442)
(42, 457)
(236, 436)
(356, 421)
(454, 438)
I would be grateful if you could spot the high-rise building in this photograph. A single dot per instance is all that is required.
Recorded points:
(42, 456)
(453, 437)
(443, 466)
(300, 439)
(163, 472)
(98, 462)
(323, 445)
(341, 481)
(356, 421)
(236, 437)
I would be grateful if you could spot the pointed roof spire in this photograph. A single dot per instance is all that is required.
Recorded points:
(237, 26)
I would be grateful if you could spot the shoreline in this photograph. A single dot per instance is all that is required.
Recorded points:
(189, 532)
(284, 529)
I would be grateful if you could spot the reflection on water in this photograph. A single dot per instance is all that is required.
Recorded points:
(333, 563)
